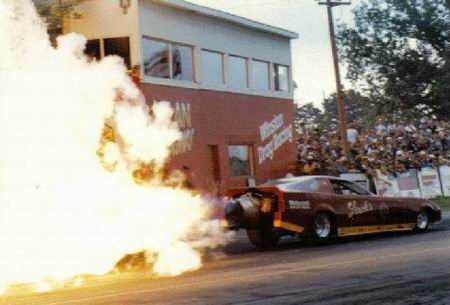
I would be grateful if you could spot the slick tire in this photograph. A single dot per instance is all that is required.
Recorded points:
(264, 237)
(324, 228)
(423, 221)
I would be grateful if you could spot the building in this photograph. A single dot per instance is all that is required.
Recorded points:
(229, 79)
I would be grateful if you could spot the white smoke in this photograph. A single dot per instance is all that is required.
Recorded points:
(62, 211)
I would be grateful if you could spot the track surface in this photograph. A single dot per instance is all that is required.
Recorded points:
(382, 269)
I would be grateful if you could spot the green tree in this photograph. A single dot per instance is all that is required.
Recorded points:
(399, 52)
(308, 116)
(54, 13)
(358, 109)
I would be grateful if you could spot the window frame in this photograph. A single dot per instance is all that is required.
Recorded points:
(192, 48)
(247, 72)
(128, 38)
(275, 76)
(102, 48)
(170, 45)
(224, 68)
(250, 160)
(269, 82)
(353, 187)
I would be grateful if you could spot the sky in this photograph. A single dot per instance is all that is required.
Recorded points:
(311, 53)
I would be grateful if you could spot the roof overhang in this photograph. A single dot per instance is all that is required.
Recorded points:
(210, 12)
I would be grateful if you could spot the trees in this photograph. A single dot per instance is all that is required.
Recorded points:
(54, 12)
(308, 116)
(399, 52)
(358, 109)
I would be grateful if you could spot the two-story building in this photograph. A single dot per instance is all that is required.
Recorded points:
(228, 78)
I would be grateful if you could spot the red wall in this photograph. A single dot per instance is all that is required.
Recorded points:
(220, 118)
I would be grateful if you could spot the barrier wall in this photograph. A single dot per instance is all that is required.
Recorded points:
(425, 183)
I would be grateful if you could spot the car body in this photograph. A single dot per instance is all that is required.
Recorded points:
(323, 207)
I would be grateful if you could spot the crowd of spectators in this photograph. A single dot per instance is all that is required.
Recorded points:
(385, 147)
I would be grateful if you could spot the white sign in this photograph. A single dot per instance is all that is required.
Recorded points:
(299, 205)
(408, 184)
(267, 151)
(445, 179)
(269, 128)
(386, 186)
(429, 182)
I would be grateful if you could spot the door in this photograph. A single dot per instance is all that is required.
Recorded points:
(361, 211)
(214, 165)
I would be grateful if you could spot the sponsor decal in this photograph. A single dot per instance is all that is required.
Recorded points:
(267, 151)
(288, 226)
(355, 208)
(351, 231)
(183, 117)
(445, 179)
(269, 128)
(299, 205)
(429, 182)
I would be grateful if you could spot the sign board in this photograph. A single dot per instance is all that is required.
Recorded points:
(408, 184)
(387, 186)
(445, 179)
(429, 182)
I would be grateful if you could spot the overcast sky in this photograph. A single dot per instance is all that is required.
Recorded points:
(313, 69)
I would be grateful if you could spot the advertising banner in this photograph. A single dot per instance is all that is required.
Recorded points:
(445, 179)
(429, 182)
(387, 186)
(408, 184)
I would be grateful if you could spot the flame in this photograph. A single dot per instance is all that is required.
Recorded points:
(80, 164)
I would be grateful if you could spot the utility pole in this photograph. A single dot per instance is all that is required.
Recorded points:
(339, 90)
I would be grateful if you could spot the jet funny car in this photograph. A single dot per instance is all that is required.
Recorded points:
(322, 207)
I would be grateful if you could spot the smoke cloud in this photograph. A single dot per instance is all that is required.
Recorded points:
(73, 134)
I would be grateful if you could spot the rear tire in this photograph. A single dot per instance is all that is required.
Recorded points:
(423, 221)
(264, 237)
(323, 227)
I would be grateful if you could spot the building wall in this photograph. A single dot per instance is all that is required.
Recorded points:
(215, 116)
(106, 19)
(220, 118)
(173, 24)
(204, 32)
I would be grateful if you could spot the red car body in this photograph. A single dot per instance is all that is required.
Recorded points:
(298, 205)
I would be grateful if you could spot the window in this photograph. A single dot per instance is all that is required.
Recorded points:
(311, 186)
(156, 58)
(281, 77)
(182, 63)
(167, 60)
(348, 188)
(118, 46)
(240, 160)
(237, 71)
(260, 75)
(212, 68)
(92, 49)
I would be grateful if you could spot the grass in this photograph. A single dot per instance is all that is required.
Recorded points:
(443, 202)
